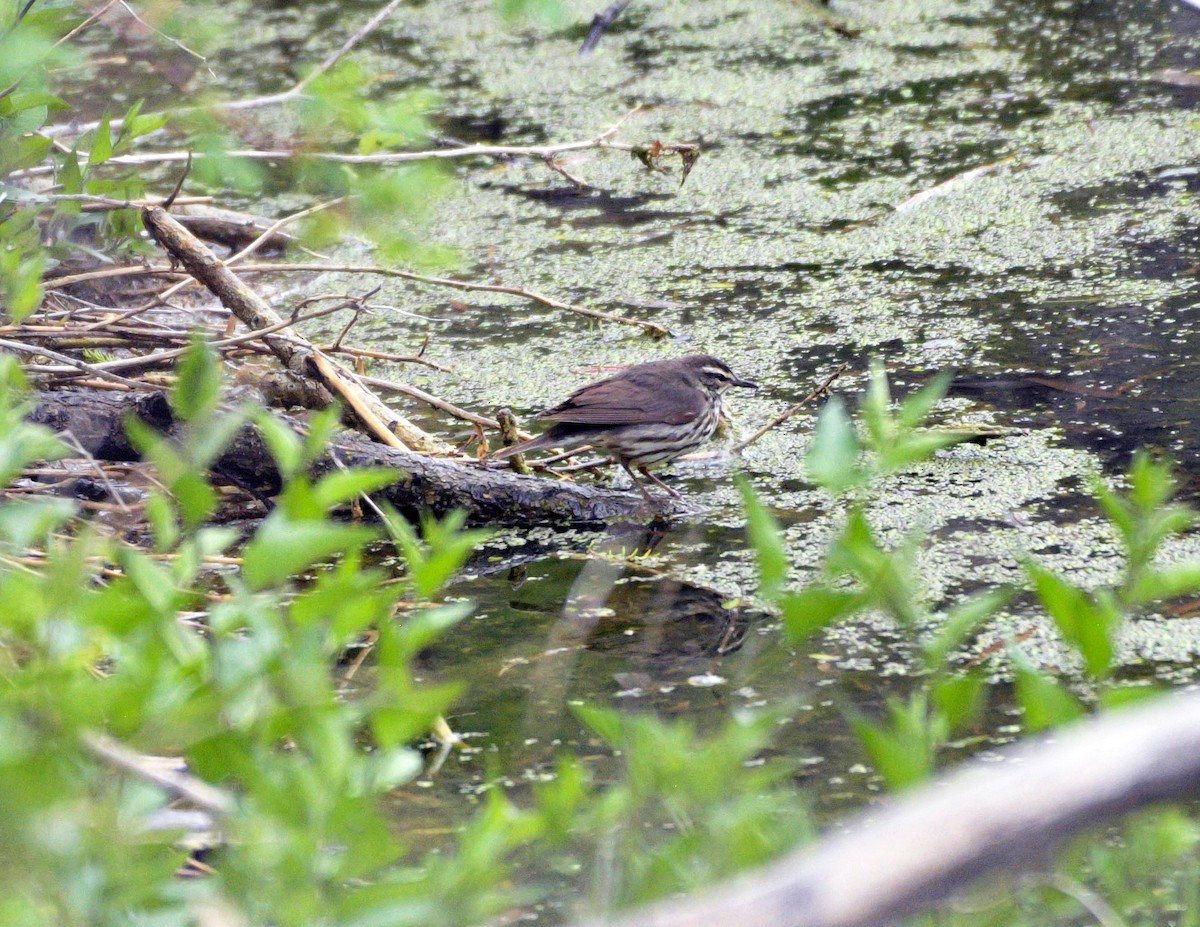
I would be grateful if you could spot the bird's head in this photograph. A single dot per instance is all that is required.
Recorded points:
(715, 374)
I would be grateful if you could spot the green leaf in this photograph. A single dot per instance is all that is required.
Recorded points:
(961, 621)
(101, 143)
(833, 455)
(420, 629)
(1167, 582)
(903, 748)
(194, 496)
(23, 152)
(1120, 696)
(282, 548)
(810, 610)
(765, 538)
(1045, 702)
(1084, 623)
(960, 699)
(603, 721)
(71, 180)
(913, 448)
(285, 445)
(916, 408)
(876, 408)
(197, 390)
(25, 524)
(343, 485)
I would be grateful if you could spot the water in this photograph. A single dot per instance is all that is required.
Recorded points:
(1060, 282)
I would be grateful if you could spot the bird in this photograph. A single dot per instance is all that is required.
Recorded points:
(646, 414)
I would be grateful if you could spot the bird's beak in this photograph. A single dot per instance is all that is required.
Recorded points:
(749, 384)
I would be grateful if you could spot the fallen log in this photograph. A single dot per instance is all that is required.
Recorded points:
(426, 484)
(927, 846)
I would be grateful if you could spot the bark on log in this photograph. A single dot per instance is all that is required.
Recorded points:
(296, 353)
(426, 484)
(927, 846)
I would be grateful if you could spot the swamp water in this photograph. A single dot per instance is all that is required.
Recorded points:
(1059, 280)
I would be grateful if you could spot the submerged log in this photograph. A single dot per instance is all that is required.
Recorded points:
(426, 484)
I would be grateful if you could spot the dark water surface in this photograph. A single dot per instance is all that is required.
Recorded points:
(1060, 281)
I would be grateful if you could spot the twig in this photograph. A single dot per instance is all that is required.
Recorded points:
(600, 24)
(187, 169)
(87, 23)
(174, 41)
(464, 285)
(384, 355)
(250, 249)
(69, 438)
(780, 419)
(652, 327)
(94, 369)
(334, 57)
(1090, 901)
(195, 790)
(93, 203)
(429, 399)
(946, 186)
(271, 99)
(151, 360)
(57, 283)
(602, 140)
(296, 353)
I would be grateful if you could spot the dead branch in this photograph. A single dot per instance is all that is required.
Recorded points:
(272, 99)
(820, 390)
(93, 369)
(462, 285)
(154, 770)
(986, 816)
(293, 350)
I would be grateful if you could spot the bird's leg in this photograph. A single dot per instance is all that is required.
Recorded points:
(650, 476)
(638, 483)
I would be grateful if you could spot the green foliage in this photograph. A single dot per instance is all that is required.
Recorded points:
(93, 642)
(894, 440)
(1148, 867)
(859, 574)
(687, 810)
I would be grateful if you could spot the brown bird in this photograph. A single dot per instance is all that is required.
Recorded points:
(646, 414)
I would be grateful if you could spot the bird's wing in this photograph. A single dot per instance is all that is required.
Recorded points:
(629, 401)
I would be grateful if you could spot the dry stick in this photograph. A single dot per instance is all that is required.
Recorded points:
(93, 203)
(57, 283)
(90, 21)
(463, 285)
(385, 355)
(93, 369)
(294, 351)
(652, 327)
(780, 419)
(174, 41)
(234, 259)
(430, 399)
(195, 790)
(600, 141)
(931, 842)
(293, 92)
(949, 185)
(151, 360)
(548, 154)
